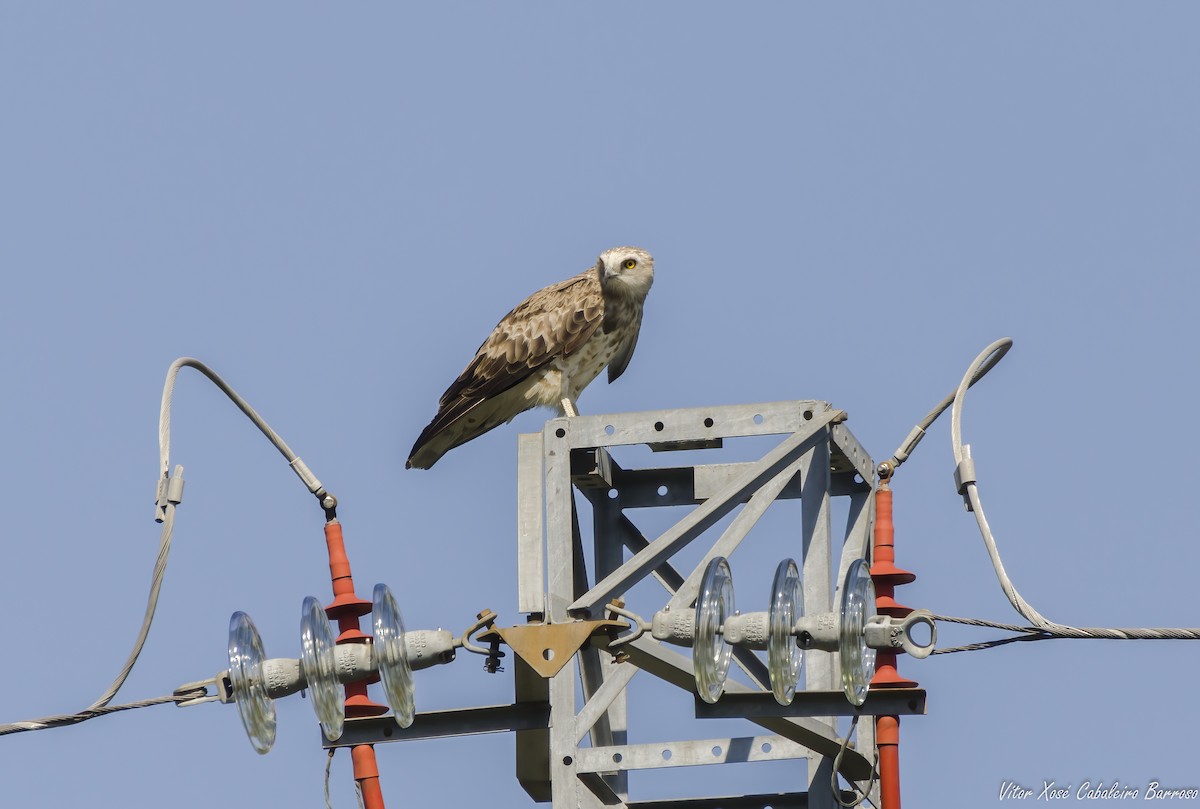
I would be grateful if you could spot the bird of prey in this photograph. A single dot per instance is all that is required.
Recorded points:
(545, 352)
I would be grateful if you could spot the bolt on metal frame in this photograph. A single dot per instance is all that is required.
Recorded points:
(817, 459)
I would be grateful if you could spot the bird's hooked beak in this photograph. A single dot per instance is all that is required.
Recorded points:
(602, 271)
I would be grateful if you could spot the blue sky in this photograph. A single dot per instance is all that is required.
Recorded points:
(332, 207)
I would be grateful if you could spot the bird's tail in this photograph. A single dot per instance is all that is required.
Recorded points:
(428, 450)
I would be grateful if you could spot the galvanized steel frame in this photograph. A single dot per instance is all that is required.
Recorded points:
(817, 459)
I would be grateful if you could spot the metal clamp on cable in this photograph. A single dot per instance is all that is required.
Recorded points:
(197, 693)
(328, 501)
(169, 491)
(964, 476)
(908, 445)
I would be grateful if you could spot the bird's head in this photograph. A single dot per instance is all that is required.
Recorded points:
(627, 270)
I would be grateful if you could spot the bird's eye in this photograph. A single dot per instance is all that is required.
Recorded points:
(629, 263)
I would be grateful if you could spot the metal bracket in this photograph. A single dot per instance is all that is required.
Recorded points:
(549, 647)
(880, 701)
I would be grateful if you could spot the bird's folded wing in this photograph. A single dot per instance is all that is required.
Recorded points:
(620, 360)
(553, 322)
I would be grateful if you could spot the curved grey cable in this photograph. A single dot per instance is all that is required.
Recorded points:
(170, 493)
(837, 765)
(156, 580)
(164, 424)
(328, 767)
(101, 706)
(965, 477)
(167, 501)
(1031, 633)
(62, 720)
(918, 432)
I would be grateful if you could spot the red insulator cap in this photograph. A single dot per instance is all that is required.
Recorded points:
(348, 605)
(359, 706)
(886, 605)
(884, 570)
(886, 675)
(353, 635)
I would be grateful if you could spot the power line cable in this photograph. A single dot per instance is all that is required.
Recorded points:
(918, 432)
(164, 425)
(965, 479)
(169, 495)
(62, 720)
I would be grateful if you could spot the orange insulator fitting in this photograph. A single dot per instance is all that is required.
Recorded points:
(883, 564)
(363, 756)
(886, 675)
(347, 608)
(371, 793)
(885, 531)
(886, 576)
(887, 739)
(363, 707)
(366, 773)
(353, 635)
(348, 605)
(887, 731)
(358, 704)
(339, 564)
(885, 570)
(887, 605)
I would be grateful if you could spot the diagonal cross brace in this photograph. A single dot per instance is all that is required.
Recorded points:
(746, 519)
(672, 580)
(708, 513)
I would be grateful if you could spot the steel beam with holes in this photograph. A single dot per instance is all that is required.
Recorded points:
(440, 724)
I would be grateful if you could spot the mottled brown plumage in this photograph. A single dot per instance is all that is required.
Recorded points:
(545, 350)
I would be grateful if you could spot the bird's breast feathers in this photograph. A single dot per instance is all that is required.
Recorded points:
(567, 375)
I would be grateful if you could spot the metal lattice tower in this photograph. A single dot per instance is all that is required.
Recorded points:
(816, 460)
